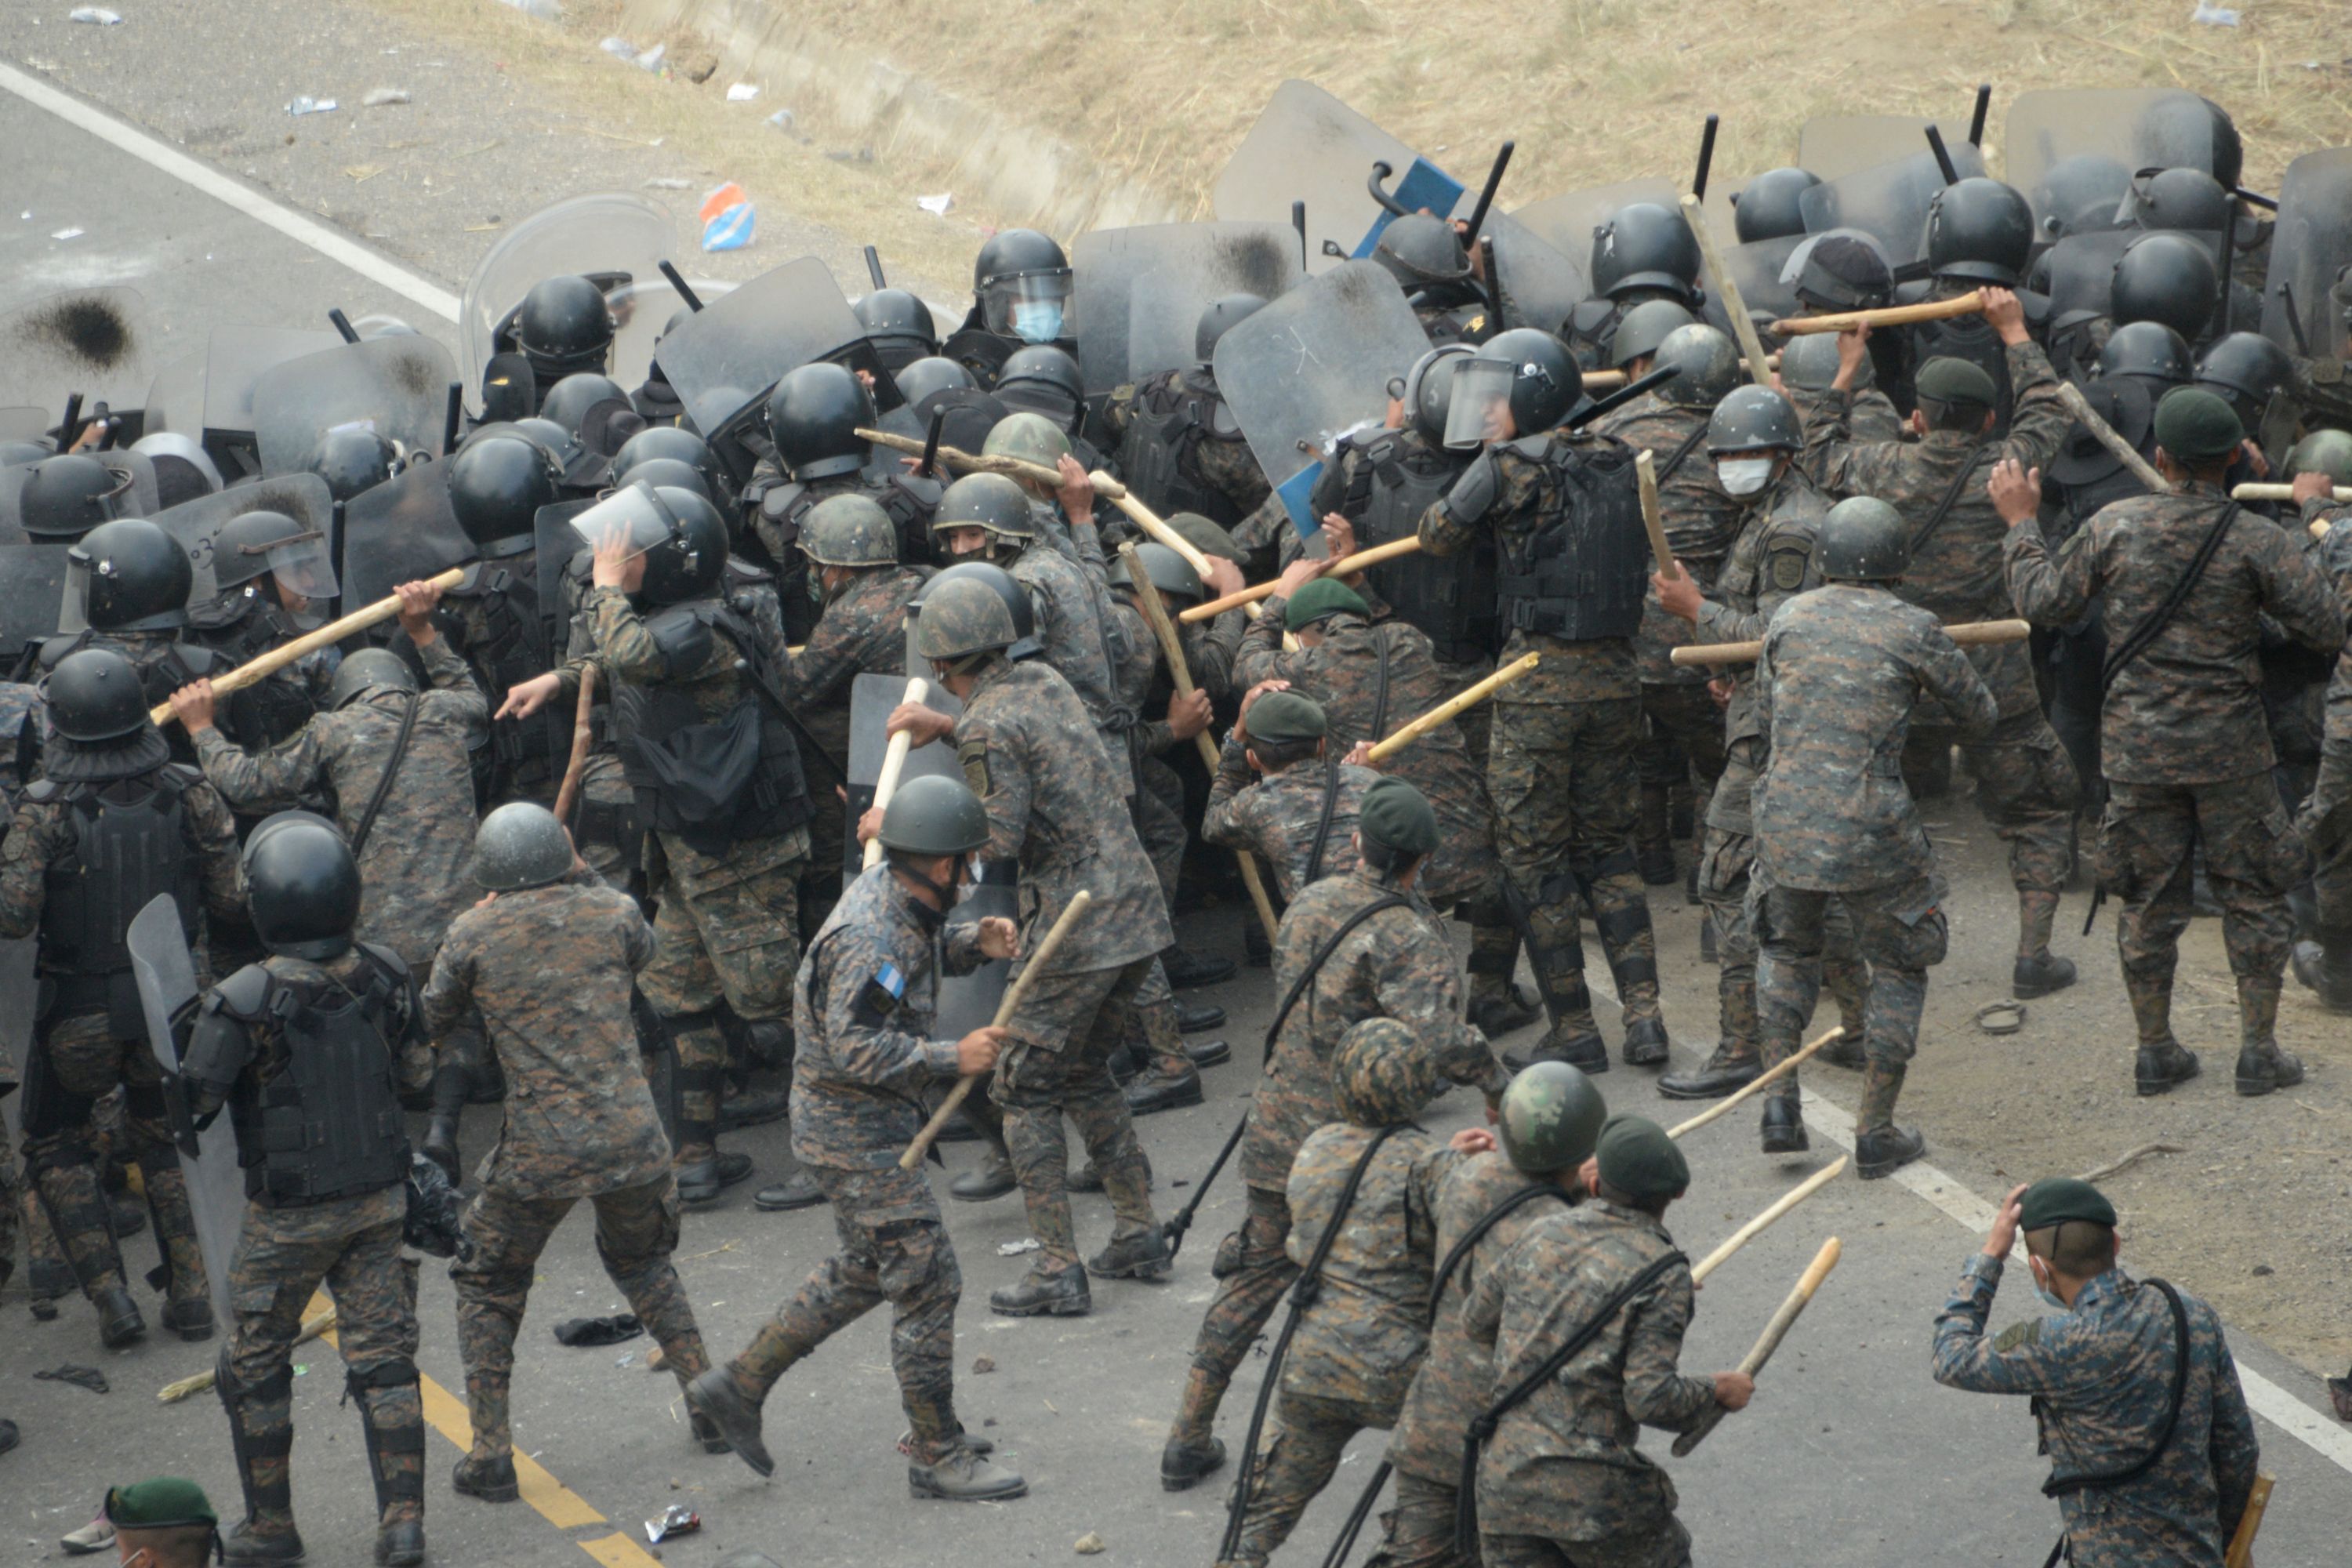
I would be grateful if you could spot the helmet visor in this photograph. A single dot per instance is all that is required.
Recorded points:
(1480, 410)
(299, 561)
(1031, 306)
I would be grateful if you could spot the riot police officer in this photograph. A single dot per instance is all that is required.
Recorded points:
(1020, 284)
(1179, 448)
(275, 578)
(1979, 231)
(1643, 252)
(497, 484)
(135, 580)
(563, 326)
(899, 324)
(1425, 254)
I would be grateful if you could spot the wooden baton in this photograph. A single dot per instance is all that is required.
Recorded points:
(173, 1393)
(1470, 696)
(1968, 304)
(1346, 565)
(1747, 1090)
(2088, 419)
(584, 731)
(1769, 1340)
(1763, 1222)
(1743, 325)
(2250, 1524)
(1968, 634)
(2280, 492)
(1646, 467)
(1180, 670)
(1610, 380)
(1038, 961)
(893, 763)
(263, 666)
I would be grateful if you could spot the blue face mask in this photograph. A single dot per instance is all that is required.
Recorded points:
(1037, 321)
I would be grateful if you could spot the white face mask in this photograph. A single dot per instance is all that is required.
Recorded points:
(1744, 475)
(2050, 1298)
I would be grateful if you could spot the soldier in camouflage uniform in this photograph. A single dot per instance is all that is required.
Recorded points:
(1049, 783)
(1842, 671)
(1561, 1483)
(21, 722)
(2324, 960)
(863, 1003)
(543, 968)
(108, 796)
(1809, 364)
(309, 1051)
(2146, 1468)
(2025, 782)
(1299, 816)
(1386, 958)
(2186, 751)
(1360, 1338)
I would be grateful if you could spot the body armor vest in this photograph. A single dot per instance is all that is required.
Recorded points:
(507, 592)
(1450, 597)
(713, 781)
(1174, 413)
(130, 843)
(273, 710)
(1579, 575)
(327, 1124)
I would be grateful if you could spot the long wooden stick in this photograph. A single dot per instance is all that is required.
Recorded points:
(1470, 696)
(1646, 467)
(584, 731)
(1748, 1090)
(2250, 1524)
(1968, 634)
(893, 763)
(263, 666)
(1969, 305)
(2280, 492)
(1039, 962)
(1345, 565)
(1763, 1222)
(173, 1393)
(2088, 419)
(1610, 380)
(1769, 1340)
(1180, 670)
(1726, 289)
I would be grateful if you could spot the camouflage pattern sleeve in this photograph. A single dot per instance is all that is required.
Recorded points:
(623, 645)
(1656, 1392)
(2037, 420)
(37, 835)
(2298, 595)
(1948, 675)
(1964, 1359)
(1262, 657)
(264, 781)
(960, 950)
(448, 996)
(1211, 652)
(214, 833)
(997, 774)
(452, 676)
(2052, 592)
(857, 985)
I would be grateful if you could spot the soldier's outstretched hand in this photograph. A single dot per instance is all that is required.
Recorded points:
(1471, 1141)
(2015, 491)
(999, 938)
(1360, 755)
(2005, 314)
(525, 698)
(977, 1052)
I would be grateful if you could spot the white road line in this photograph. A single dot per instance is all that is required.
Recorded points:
(296, 226)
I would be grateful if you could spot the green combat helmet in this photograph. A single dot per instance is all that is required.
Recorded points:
(1169, 572)
(1380, 1074)
(849, 531)
(1864, 539)
(2322, 451)
(1550, 1118)
(963, 619)
(933, 816)
(1032, 437)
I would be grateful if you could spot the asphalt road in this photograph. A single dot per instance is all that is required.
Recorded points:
(1850, 1456)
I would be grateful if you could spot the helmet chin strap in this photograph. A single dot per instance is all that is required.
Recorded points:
(944, 893)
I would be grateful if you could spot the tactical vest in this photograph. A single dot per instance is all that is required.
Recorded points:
(1969, 338)
(712, 782)
(1174, 413)
(163, 668)
(240, 630)
(1450, 598)
(1579, 575)
(907, 499)
(510, 653)
(130, 843)
(327, 1124)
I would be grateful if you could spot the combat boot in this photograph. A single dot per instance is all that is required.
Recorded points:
(2157, 1068)
(1139, 1255)
(400, 1543)
(1063, 1293)
(490, 1478)
(701, 1180)
(2262, 1066)
(191, 1319)
(1784, 1125)
(1155, 1090)
(1500, 1007)
(992, 1178)
(1882, 1151)
(1579, 1048)
(1187, 970)
(719, 1398)
(1645, 1043)
(251, 1544)
(1198, 1017)
(1731, 1067)
(963, 1475)
(2325, 967)
(119, 1319)
(797, 1191)
(1209, 1052)
(752, 1108)
(2040, 976)
(1183, 1466)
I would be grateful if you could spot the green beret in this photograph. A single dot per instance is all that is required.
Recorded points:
(2195, 426)
(159, 1504)
(1280, 718)
(1947, 380)
(1639, 1160)
(1323, 596)
(2055, 1200)
(1205, 536)
(1396, 815)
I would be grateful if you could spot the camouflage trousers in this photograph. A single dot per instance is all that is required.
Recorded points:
(895, 1249)
(1477, 721)
(1160, 822)
(1419, 1531)
(1295, 1461)
(636, 1230)
(2148, 839)
(1664, 1544)
(2026, 787)
(85, 1057)
(1252, 1271)
(1684, 739)
(2325, 825)
(1566, 791)
(1057, 1064)
(1901, 932)
(727, 933)
(352, 1246)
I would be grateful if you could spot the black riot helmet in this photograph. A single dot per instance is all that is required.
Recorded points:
(296, 556)
(1044, 380)
(2150, 350)
(67, 496)
(1221, 316)
(680, 535)
(667, 473)
(302, 886)
(1841, 269)
(1753, 419)
(2247, 369)
(2166, 277)
(1979, 230)
(1767, 206)
(185, 472)
(1022, 281)
(1527, 370)
(899, 325)
(1645, 245)
(2079, 194)
(353, 460)
(1422, 252)
(369, 669)
(1428, 390)
(567, 403)
(929, 375)
(665, 441)
(2190, 200)
(813, 417)
(1641, 329)
(562, 326)
(135, 576)
(94, 696)
(1001, 583)
(14, 454)
(496, 487)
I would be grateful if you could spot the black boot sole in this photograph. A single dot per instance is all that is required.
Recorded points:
(1693, 1089)
(737, 1421)
(485, 1492)
(1184, 1481)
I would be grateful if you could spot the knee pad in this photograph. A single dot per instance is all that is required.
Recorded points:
(395, 1372)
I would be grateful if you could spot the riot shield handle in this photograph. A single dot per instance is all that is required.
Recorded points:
(929, 467)
(1622, 397)
(69, 425)
(2268, 204)
(677, 282)
(454, 418)
(1494, 182)
(2294, 318)
(1976, 115)
(1298, 222)
(1706, 156)
(1943, 158)
(1389, 204)
(874, 267)
(343, 323)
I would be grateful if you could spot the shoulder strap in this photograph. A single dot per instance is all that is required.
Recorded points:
(2171, 1415)
(391, 771)
(1322, 956)
(1380, 687)
(1950, 499)
(2152, 626)
(1323, 827)
(1690, 444)
(1477, 1233)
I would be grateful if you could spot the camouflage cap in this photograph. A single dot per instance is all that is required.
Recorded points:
(1319, 600)
(1639, 1160)
(1283, 718)
(1551, 1117)
(1398, 816)
(1380, 1074)
(2195, 426)
(1947, 380)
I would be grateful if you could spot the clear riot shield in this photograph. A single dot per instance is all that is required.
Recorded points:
(236, 357)
(2081, 274)
(1888, 200)
(1317, 362)
(396, 386)
(1541, 283)
(1566, 221)
(1757, 269)
(32, 590)
(724, 360)
(2081, 193)
(556, 544)
(1196, 264)
(402, 530)
(100, 342)
(194, 523)
(616, 238)
(1832, 146)
(2311, 249)
(166, 977)
(26, 423)
(1307, 146)
(175, 398)
(642, 312)
(2133, 128)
